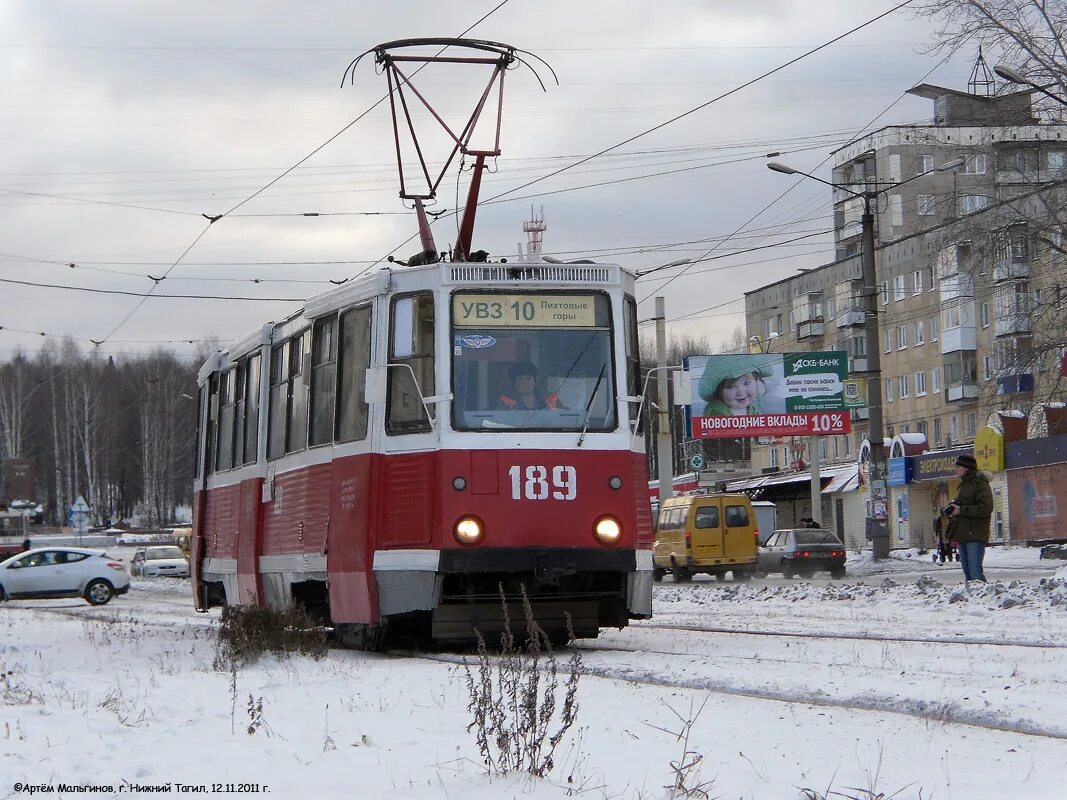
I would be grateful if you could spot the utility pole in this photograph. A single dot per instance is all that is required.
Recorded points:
(876, 523)
(664, 456)
(816, 478)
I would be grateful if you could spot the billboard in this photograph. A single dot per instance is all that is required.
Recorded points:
(767, 394)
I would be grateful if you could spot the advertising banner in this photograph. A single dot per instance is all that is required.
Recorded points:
(767, 394)
(1035, 497)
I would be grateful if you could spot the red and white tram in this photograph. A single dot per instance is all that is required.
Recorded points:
(358, 457)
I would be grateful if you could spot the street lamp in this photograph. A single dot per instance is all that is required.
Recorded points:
(1014, 76)
(876, 433)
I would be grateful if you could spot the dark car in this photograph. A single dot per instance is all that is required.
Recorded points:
(803, 551)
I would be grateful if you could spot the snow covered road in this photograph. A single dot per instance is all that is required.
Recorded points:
(893, 686)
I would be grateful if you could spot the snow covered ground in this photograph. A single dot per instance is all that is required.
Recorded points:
(911, 687)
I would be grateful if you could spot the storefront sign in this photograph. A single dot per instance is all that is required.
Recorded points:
(989, 450)
(936, 466)
(767, 394)
(899, 471)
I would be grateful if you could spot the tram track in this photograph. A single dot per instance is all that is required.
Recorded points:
(848, 636)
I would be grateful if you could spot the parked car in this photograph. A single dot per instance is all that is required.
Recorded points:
(63, 572)
(713, 534)
(803, 551)
(160, 560)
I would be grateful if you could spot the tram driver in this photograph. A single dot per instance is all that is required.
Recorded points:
(523, 396)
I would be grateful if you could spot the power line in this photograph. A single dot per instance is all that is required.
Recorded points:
(145, 295)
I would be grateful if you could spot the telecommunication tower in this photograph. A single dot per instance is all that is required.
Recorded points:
(534, 227)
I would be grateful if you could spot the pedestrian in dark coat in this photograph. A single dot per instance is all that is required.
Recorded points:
(971, 512)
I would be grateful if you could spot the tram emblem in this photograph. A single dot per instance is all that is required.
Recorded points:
(476, 341)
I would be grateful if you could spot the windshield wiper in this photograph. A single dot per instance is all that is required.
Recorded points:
(589, 405)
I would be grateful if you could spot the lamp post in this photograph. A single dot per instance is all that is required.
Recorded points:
(876, 523)
(1014, 76)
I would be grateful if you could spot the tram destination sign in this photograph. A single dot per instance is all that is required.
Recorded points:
(523, 311)
(767, 394)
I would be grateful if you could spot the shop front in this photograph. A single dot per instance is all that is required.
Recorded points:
(1037, 488)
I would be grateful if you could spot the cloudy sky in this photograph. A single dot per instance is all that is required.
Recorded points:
(124, 122)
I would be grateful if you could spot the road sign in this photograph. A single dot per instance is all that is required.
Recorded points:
(79, 515)
(697, 462)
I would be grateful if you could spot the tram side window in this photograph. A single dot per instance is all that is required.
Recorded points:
(212, 423)
(633, 355)
(353, 359)
(224, 452)
(410, 344)
(297, 430)
(323, 380)
(251, 434)
(240, 400)
(279, 379)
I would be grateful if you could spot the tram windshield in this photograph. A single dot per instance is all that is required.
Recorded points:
(532, 361)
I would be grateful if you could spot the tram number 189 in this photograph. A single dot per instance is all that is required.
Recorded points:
(532, 483)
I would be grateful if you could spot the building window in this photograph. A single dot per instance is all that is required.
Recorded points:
(951, 316)
(774, 458)
(933, 329)
(970, 424)
(920, 338)
(920, 426)
(898, 288)
(1057, 162)
(889, 390)
(931, 282)
(954, 428)
(896, 210)
(904, 386)
(920, 384)
(917, 282)
(926, 163)
(987, 368)
(884, 289)
(824, 454)
(985, 314)
(937, 430)
(974, 165)
(970, 203)
(848, 446)
(935, 379)
(926, 205)
(902, 337)
(887, 340)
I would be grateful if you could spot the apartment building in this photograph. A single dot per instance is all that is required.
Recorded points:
(968, 262)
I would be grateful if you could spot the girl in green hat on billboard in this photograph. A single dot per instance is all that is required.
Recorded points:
(733, 385)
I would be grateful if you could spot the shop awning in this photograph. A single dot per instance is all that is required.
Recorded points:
(842, 478)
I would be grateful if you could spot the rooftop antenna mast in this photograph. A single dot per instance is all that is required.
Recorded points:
(534, 227)
(394, 59)
(981, 81)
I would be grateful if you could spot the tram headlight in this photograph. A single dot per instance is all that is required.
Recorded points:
(468, 530)
(607, 530)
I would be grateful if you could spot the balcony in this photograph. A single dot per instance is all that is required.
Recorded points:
(962, 337)
(850, 317)
(1021, 383)
(1013, 267)
(857, 364)
(810, 329)
(860, 414)
(956, 285)
(1013, 323)
(961, 391)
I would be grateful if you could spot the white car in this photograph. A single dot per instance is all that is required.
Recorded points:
(161, 560)
(63, 572)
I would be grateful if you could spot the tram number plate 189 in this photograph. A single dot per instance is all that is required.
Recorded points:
(539, 483)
